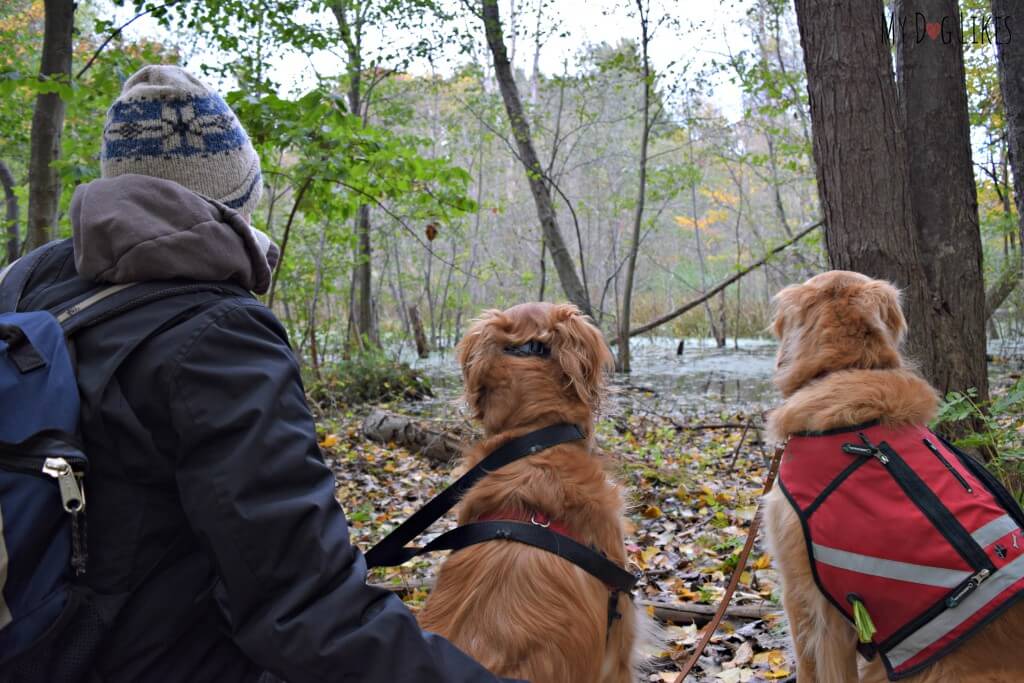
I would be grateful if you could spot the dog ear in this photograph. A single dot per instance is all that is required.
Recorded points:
(784, 304)
(582, 353)
(884, 302)
(472, 354)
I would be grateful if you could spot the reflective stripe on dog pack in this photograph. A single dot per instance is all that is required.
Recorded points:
(920, 535)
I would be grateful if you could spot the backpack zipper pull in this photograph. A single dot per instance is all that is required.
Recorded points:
(868, 449)
(70, 492)
(967, 588)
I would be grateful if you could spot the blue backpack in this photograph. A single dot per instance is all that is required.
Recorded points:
(43, 545)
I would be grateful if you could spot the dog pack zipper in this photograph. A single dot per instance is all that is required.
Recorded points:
(941, 518)
(946, 463)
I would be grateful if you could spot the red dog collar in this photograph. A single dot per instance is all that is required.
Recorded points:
(533, 517)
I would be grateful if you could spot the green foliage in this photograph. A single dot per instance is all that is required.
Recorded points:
(1000, 432)
(368, 377)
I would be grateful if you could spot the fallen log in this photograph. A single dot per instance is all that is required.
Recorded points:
(687, 613)
(665, 612)
(418, 436)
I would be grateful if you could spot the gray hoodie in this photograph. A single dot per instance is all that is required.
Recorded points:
(134, 228)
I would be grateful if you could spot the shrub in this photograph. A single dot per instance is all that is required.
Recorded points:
(369, 377)
(996, 429)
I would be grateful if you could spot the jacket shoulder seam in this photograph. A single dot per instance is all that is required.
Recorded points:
(216, 314)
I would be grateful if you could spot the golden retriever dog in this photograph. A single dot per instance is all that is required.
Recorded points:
(838, 365)
(521, 611)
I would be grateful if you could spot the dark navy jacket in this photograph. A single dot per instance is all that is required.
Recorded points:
(211, 512)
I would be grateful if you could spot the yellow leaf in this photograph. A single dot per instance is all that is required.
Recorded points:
(652, 512)
(776, 658)
(687, 595)
(388, 467)
(645, 556)
(776, 674)
(329, 441)
(763, 562)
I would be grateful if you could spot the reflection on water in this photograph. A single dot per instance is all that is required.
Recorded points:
(703, 379)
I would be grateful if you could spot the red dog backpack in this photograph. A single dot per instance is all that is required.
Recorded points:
(912, 540)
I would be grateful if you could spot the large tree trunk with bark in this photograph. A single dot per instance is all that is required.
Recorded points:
(48, 123)
(1011, 82)
(936, 125)
(10, 213)
(567, 275)
(860, 153)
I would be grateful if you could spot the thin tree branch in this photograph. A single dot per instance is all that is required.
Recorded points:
(723, 284)
(117, 31)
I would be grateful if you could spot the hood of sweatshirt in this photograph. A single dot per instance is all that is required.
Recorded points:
(134, 228)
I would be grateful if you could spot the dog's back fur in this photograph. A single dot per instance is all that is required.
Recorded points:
(839, 364)
(521, 611)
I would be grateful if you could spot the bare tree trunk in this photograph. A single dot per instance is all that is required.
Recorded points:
(567, 274)
(543, 269)
(48, 123)
(422, 347)
(700, 243)
(314, 352)
(351, 17)
(860, 152)
(1011, 82)
(364, 278)
(933, 105)
(623, 359)
(11, 213)
(284, 239)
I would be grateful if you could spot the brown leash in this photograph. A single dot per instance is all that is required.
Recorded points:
(734, 580)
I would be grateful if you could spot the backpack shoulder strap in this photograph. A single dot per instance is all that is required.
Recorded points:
(16, 275)
(110, 301)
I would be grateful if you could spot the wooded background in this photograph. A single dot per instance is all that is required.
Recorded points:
(442, 171)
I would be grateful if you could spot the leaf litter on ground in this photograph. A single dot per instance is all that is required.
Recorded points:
(691, 495)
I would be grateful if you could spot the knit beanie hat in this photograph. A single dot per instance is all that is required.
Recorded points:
(167, 124)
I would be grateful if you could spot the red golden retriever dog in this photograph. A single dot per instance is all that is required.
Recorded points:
(838, 365)
(519, 610)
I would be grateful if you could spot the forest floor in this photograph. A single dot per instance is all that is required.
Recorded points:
(687, 433)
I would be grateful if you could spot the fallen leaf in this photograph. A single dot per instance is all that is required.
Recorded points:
(652, 512)
(744, 654)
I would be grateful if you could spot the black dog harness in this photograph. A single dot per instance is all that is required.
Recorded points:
(392, 550)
